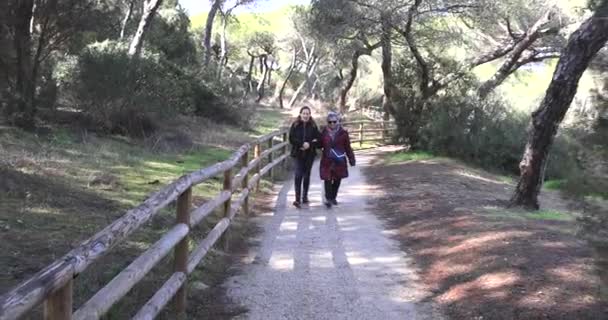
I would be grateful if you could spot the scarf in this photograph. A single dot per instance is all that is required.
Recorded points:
(334, 132)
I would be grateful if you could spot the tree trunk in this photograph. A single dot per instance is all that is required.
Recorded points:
(293, 99)
(150, 7)
(125, 21)
(512, 58)
(269, 78)
(209, 30)
(349, 83)
(249, 75)
(387, 75)
(25, 84)
(264, 70)
(312, 94)
(311, 70)
(292, 67)
(223, 49)
(583, 44)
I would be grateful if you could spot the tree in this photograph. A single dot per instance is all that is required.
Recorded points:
(582, 46)
(260, 46)
(310, 61)
(129, 8)
(38, 29)
(215, 7)
(366, 49)
(387, 65)
(149, 10)
(22, 12)
(292, 66)
(349, 29)
(169, 35)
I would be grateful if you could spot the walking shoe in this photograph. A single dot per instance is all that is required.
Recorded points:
(328, 204)
(334, 202)
(305, 201)
(297, 204)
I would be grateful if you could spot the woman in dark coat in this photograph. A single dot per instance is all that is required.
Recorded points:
(336, 152)
(304, 137)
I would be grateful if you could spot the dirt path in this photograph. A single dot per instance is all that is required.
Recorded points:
(479, 260)
(317, 263)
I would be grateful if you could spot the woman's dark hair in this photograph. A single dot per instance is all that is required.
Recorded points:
(299, 120)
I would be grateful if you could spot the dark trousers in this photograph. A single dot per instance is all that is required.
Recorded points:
(331, 189)
(302, 179)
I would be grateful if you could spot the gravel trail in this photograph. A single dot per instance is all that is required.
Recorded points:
(318, 263)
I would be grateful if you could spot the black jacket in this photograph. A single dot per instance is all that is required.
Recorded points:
(301, 132)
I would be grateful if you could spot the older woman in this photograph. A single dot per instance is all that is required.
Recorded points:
(336, 152)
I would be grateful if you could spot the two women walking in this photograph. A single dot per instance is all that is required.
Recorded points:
(336, 154)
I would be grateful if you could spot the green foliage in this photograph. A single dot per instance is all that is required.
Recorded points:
(483, 132)
(169, 35)
(124, 96)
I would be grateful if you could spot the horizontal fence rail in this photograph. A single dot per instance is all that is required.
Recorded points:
(371, 130)
(52, 286)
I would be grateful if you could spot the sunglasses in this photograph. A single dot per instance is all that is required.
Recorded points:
(330, 122)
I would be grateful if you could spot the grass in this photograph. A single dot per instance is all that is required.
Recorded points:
(59, 188)
(555, 184)
(581, 186)
(401, 157)
(544, 214)
(364, 145)
(267, 120)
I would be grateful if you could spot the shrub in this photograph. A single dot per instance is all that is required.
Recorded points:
(483, 132)
(126, 96)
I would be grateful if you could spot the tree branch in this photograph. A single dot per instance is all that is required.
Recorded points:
(457, 8)
(511, 61)
(407, 34)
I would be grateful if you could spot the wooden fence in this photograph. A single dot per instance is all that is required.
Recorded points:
(52, 286)
(370, 131)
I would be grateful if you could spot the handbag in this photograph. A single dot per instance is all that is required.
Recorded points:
(335, 155)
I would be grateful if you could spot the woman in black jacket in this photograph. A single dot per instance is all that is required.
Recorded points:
(304, 137)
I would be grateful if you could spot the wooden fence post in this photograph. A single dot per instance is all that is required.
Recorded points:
(285, 151)
(180, 262)
(256, 154)
(58, 305)
(360, 134)
(245, 163)
(227, 205)
(271, 157)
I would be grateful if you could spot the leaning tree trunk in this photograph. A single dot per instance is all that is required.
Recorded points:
(208, 30)
(125, 21)
(223, 49)
(349, 83)
(583, 44)
(292, 67)
(301, 86)
(386, 65)
(311, 92)
(264, 70)
(25, 84)
(150, 7)
(249, 75)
